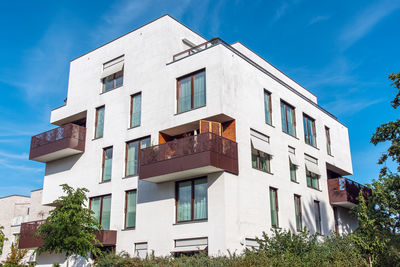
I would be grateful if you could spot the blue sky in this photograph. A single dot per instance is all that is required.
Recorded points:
(342, 51)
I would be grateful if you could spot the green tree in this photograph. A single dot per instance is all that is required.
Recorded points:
(15, 256)
(2, 239)
(70, 227)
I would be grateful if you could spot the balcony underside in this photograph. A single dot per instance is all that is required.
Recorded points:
(58, 154)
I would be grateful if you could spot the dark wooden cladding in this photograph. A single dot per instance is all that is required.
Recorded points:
(69, 136)
(343, 190)
(206, 149)
(28, 240)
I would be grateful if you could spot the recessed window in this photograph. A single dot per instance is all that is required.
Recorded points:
(191, 200)
(288, 119)
(298, 213)
(113, 74)
(312, 172)
(107, 163)
(136, 109)
(132, 155)
(101, 206)
(191, 91)
(293, 164)
(310, 135)
(267, 107)
(260, 151)
(130, 209)
(273, 201)
(99, 126)
(328, 141)
(317, 213)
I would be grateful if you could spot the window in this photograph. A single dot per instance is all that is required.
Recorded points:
(260, 151)
(130, 209)
(136, 109)
(101, 206)
(293, 168)
(99, 127)
(267, 107)
(141, 250)
(310, 135)
(312, 172)
(113, 74)
(273, 199)
(312, 180)
(107, 163)
(191, 200)
(328, 141)
(288, 119)
(317, 216)
(298, 213)
(191, 91)
(336, 217)
(293, 164)
(132, 155)
(190, 246)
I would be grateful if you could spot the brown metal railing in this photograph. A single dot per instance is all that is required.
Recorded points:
(70, 130)
(350, 187)
(188, 146)
(27, 238)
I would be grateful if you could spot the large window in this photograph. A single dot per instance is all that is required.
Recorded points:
(288, 119)
(136, 109)
(132, 155)
(191, 91)
(328, 141)
(99, 127)
(267, 107)
(107, 163)
(298, 213)
(310, 135)
(101, 206)
(130, 209)
(191, 200)
(273, 201)
(317, 212)
(260, 151)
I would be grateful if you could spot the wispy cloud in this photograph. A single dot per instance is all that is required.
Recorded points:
(317, 19)
(13, 155)
(365, 21)
(351, 105)
(5, 164)
(280, 11)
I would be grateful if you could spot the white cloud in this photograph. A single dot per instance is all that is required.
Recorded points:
(19, 167)
(13, 155)
(318, 19)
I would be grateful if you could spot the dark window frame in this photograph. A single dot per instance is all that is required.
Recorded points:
(313, 131)
(178, 87)
(268, 157)
(97, 121)
(131, 110)
(114, 80)
(328, 141)
(293, 167)
(266, 92)
(293, 111)
(317, 214)
(126, 154)
(297, 198)
(101, 205)
(126, 208)
(276, 206)
(312, 176)
(192, 199)
(103, 163)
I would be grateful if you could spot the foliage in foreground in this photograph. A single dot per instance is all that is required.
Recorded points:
(283, 248)
(15, 256)
(2, 239)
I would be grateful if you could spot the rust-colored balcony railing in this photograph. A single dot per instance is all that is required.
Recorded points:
(28, 239)
(60, 142)
(188, 153)
(344, 192)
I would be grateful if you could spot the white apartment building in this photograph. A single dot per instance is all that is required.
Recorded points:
(188, 144)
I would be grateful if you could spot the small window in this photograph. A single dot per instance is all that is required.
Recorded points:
(107, 163)
(317, 212)
(113, 74)
(312, 180)
(101, 206)
(99, 127)
(288, 119)
(132, 155)
(328, 141)
(298, 213)
(191, 91)
(136, 109)
(141, 250)
(293, 168)
(130, 209)
(336, 217)
(267, 107)
(191, 200)
(310, 135)
(273, 199)
(260, 151)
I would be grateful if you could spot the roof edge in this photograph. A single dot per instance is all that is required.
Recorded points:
(14, 195)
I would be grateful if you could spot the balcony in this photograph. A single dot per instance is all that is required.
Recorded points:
(61, 142)
(188, 157)
(344, 192)
(28, 240)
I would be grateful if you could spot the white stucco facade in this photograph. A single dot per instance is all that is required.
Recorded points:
(238, 205)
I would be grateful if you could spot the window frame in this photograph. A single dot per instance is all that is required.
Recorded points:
(192, 199)
(312, 176)
(131, 110)
(268, 160)
(139, 140)
(126, 209)
(293, 169)
(114, 81)
(328, 140)
(276, 206)
(96, 122)
(101, 205)
(293, 111)
(317, 214)
(266, 92)
(103, 163)
(178, 87)
(313, 131)
(297, 198)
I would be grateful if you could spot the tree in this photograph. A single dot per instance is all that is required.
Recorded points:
(70, 227)
(2, 239)
(390, 131)
(15, 256)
